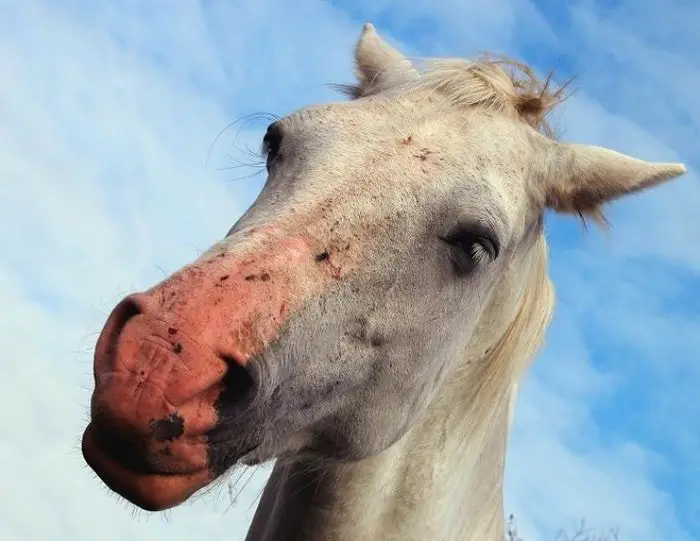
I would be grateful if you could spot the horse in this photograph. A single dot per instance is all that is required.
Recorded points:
(367, 320)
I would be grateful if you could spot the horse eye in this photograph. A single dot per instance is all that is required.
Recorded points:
(272, 142)
(471, 247)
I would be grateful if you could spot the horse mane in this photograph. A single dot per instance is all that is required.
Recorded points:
(493, 82)
(515, 349)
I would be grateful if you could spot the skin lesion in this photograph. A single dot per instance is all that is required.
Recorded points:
(335, 270)
(263, 277)
(424, 153)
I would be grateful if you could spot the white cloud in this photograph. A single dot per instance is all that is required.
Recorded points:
(563, 467)
(107, 113)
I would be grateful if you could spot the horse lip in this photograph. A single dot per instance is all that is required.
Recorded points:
(134, 457)
(151, 491)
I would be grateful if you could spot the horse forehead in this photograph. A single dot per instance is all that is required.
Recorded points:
(385, 147)
(467, 137)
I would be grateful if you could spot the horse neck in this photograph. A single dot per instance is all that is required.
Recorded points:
(443, 480)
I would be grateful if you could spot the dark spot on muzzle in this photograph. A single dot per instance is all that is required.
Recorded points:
(168, 429)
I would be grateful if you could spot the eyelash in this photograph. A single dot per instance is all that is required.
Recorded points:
(470, 248)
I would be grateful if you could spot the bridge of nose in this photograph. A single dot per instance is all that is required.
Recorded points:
(234, 304)
(182, 335)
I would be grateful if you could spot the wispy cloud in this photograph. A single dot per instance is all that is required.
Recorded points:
(107, 114)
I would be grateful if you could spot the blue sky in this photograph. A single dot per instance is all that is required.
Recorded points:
(108, 112)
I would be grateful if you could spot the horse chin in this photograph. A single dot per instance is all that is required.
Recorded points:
(151, 491)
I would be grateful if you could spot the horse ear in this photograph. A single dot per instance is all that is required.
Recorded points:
(580, 179)
(378, 65)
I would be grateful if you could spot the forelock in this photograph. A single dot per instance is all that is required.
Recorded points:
(491, 82)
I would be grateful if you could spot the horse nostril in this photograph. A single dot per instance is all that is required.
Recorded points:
(239, 385)
(122, 313)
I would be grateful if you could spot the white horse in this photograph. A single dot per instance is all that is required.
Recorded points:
(367, 320)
